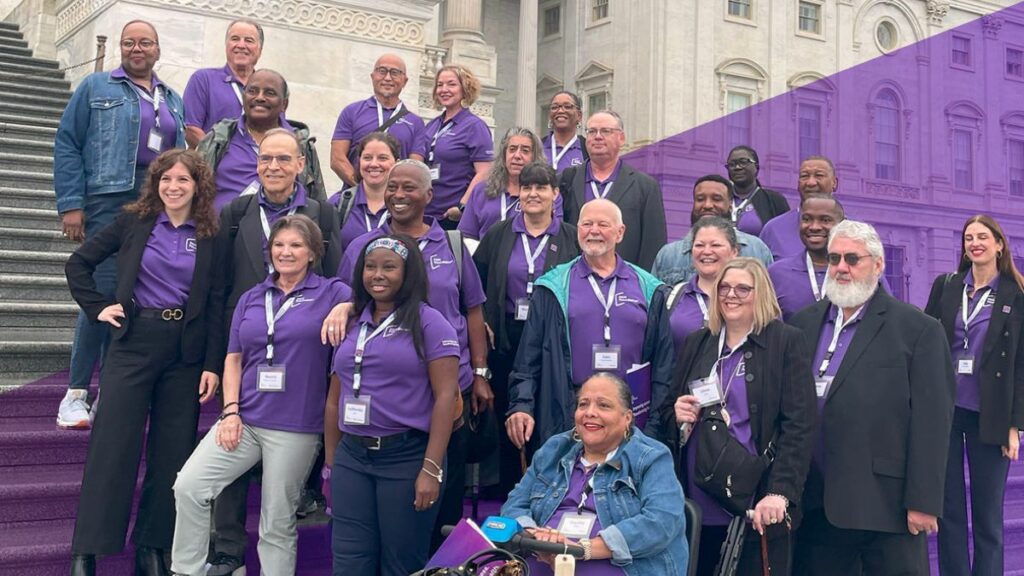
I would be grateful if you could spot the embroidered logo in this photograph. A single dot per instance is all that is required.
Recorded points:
(622, 299)
(190, 245)
(436, 261)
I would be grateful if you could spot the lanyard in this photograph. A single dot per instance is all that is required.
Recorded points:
(836, 331)
(588, 488)
(423, 244)
(266, 229)
(380, 114)
(721, 346)
(703, 307)
(361, 341)
(238, 92)
(737, 211)
(440, 132)
(603, 192)
(815, 289)
(155, 99)
(380, 221)
(607, 303)
(977, 309)
(557, 157)
(531, 260)
(272, 319)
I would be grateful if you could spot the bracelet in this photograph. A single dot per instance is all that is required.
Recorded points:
(228, 405)
(223, 416)
(439, 476)
(784, 499)
(587, 548)
(439, 469)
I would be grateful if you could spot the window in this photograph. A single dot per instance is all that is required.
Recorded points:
(552, 21)
(1015, 151)
(1015, 63)
(810, 17)
(599, 10)
(961, 54)
(895, 257)
(886, 35)
(597, 102)
(887, 136)
(963, 159)
(737, 123)
(740, 8)
(809, 129)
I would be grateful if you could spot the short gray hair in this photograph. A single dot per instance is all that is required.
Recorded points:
(613, 114)
(423, 169)
(250, 22)
(861, 232)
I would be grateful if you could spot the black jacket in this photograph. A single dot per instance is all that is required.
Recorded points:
(1001, 366)
(202, 339)
(768, 204)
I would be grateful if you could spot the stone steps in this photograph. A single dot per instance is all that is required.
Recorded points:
(39, 148)
(29, 69)
(29, 218)
(46, 82)
(23, 162)
(14, 94)
(35, 240)
(48, 122)
(16, 49)
(10, 86)
(28, 262)
(37, 315)
(29, 288)
(29, 135)
(39, 355)
(26, 180)
(17, 60)
(43, 111)
(28, 198)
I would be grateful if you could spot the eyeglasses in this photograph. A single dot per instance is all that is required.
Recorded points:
(383, 71)
(604, 132)
(851, 258)
(282, 159)
(740, 290)
(145, 44)
(739, 163)
(559, 107)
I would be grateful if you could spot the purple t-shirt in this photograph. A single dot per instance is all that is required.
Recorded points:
(628, 317)
(749, 221)
(168, 129)
(483, 212)
(300, 406)
(393, 376)
(360, 219)
(566, 158)
(842, 345)
(360, 118)
(167, 266)
(211, 95)
(236, 171)
(968, 391)
(460, 142)
(687, 315)
(792, 286)
(600, 188)
(448, 294)
(518, 266)
(782, 235)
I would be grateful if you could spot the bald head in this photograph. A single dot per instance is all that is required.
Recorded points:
(603, 208)
(388, 77)
(599, 230)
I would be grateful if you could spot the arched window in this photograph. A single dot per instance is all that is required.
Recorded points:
(888, 135)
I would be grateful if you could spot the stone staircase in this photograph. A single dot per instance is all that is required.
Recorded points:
(37, 315)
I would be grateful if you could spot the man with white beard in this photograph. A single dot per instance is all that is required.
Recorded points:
(885, 390)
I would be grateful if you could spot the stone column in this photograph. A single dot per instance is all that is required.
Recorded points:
(526, 81)
(463, 37)
(463, 19)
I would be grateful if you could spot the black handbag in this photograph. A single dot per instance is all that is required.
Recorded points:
(724, 468)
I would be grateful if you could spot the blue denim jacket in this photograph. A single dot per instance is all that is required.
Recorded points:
(674, 262)
(98, 138)
(639, 501)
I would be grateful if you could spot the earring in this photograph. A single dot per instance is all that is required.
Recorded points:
(576, 435)
(627, 434)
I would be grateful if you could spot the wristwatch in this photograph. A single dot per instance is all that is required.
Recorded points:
(461, 207)
(484, 373)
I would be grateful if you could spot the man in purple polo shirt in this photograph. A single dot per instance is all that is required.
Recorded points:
(780, 234)
(384, 111)
(213, 94)
(885, 386)
(800, 280)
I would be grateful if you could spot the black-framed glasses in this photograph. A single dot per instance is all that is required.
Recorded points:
(852, 258)
(559, 107)
(739, 163)
(740, 290)
(383, 71)
(145, 44)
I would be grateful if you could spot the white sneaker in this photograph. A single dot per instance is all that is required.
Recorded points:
(74, 410)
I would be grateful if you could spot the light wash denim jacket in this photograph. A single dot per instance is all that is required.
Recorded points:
(639, 501)
(98, 138)
(674, 262)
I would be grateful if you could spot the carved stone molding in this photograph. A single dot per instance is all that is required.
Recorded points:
(991, 25)
(937, 11)
(891, 190)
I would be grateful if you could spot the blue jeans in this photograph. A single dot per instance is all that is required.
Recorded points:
(92, 338)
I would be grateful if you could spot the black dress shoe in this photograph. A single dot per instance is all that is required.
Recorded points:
(150, 562)
(83, 565)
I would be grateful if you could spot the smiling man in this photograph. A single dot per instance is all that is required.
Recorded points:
(800, 280)
(817, 176)
(752, 205)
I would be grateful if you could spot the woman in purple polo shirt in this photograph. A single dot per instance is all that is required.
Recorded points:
(981, 307)
(389, 415)
(746, 365)
(361, 208)
(165, 356)
(564, 146)
(714, 245)
(275, 382)
(459, 145)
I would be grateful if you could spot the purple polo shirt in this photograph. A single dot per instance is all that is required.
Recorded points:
(842, 345)
(792, 287)
(360, 118)
(465, 139)
(445, 295)
(571, 157)
(628, 317)
(483, 212)
(360, 220)
(608, 182)
(732, 372)
(168, 262)
(210, 96)
(782, 235)
(147, 118)
(300, 406)
(749, 221)
(687, 316)
(236, 170)
(275, 213)
(968, 391)
(393, 375)
(518, 271)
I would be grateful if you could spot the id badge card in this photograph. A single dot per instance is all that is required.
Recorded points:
(522, 308)
(155, 141)
(821, 385)
(356, 410)
(252, 188)
(965, 365)
(707, 390)
(435, 172)
(576, 526)
(270, 378)
(606, 357)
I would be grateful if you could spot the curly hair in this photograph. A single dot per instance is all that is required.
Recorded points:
(149, 203)
(467, 80)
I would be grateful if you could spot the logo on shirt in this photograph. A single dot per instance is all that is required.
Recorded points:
(454, 343)
(990, 300)
(436, 261)
(190, 245)
(622, 299)
(576, 162)
(741, 369)
(392, 330)
(301, 298)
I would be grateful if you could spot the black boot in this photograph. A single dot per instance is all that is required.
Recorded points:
(83, 565)
(150, 562)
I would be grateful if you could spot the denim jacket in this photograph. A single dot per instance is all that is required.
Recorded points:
(639, 501)
(98, 138)
(674, 262)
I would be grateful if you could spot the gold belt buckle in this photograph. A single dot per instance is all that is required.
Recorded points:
(169, 314)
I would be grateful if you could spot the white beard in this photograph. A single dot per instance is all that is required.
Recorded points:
(851, 295)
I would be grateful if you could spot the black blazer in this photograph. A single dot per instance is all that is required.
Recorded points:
(768, 204)
(780, 394)
(202, 339)
(886, 418)
(1001, 366)
(643, 212)
(496, 247)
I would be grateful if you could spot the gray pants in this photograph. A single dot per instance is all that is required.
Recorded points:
(287, 458)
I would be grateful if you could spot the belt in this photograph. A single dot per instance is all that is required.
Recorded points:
(167, 314)
(379, 442)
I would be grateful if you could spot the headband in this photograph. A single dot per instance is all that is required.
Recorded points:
(391, 244)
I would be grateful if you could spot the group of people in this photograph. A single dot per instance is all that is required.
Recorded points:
(758, 365)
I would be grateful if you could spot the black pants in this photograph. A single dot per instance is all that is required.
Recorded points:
(453, 490)
(143, 375)
(712, 538)
(510, 469)
(822, 548)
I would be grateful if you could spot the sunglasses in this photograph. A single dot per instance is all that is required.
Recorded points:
(740, 290)
(851, 258)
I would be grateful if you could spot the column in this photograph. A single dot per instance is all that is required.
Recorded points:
(463, 20)
(526, 84)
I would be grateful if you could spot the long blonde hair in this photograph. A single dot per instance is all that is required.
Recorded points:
(766, 305)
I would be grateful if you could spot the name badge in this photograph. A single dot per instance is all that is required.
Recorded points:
(522, 308)
(357, 410)
(155, 141)
(252, 188)
(435, 172)
(821, 385)
(576, 526)
(965, 365)
(606, 357)
(707, 390)
(270, 378)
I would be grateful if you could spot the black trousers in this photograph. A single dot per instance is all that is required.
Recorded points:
(510, 469)
(822, 548)
(453, 490)
(143, 375)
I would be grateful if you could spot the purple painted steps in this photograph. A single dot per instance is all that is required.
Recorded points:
(40, 479)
